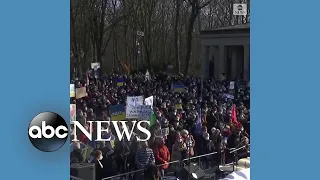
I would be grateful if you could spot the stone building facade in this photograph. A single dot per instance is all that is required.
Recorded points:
(226, 50)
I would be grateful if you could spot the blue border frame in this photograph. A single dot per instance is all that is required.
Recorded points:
(34, 51)
(284, 90)
(35, 73)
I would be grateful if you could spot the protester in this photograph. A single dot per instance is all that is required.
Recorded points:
(76, 155)
(216, 139)
(190, 142)
(122, 150)
(208, 147)
(177, 149)
(162, 155)
(134, 146)
(98, 165)
(144, 156)
(107, 161)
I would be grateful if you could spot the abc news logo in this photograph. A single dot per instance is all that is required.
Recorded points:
(48, 131)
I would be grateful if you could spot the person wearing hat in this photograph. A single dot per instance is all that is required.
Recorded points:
(76, 155)
(190, 142)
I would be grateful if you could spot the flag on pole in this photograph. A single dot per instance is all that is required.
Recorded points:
(234, 114)
(153, 119)
(199, 122)
(234, 117)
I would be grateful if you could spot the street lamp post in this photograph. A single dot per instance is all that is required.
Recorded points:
(140, 35)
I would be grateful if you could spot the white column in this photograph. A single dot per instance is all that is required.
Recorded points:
(246, 62)
(233, 62)
(221, 67)
(205, 50)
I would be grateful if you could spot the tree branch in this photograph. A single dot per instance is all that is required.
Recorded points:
(205, 4)
(107, 42)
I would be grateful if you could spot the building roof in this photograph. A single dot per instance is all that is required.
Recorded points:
(238, 28)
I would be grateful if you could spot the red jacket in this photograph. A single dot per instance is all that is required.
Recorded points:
(162, 155)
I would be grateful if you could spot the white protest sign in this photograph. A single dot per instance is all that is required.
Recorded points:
(229, 96)
(161, 132)
(138, 112)
(145, 112)
(72, 90)
(95, 65)
(134, 100)
(231, 86)
(149, 101)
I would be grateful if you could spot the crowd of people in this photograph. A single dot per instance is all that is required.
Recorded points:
(224, 113)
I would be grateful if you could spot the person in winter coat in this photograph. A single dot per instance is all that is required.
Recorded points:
(178, 147)
(98, 156)
(144, 156)
(161, 154)
(189, 140)
(206, 147)
(134, 146)
(76, 155)
(107, 161)
(122, 151)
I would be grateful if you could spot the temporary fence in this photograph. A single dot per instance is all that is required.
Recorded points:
(204, 158)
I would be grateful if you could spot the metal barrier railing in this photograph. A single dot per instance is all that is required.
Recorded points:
(136, 171)
(177, 161)
(181, 162)
(75, 178)
(200, 157)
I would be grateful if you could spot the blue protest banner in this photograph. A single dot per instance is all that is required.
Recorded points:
(178, 88)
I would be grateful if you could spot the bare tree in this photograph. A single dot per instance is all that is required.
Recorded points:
(176, 35)
(196, 7)
(168, 25)
(104, 18)
(80, 41)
